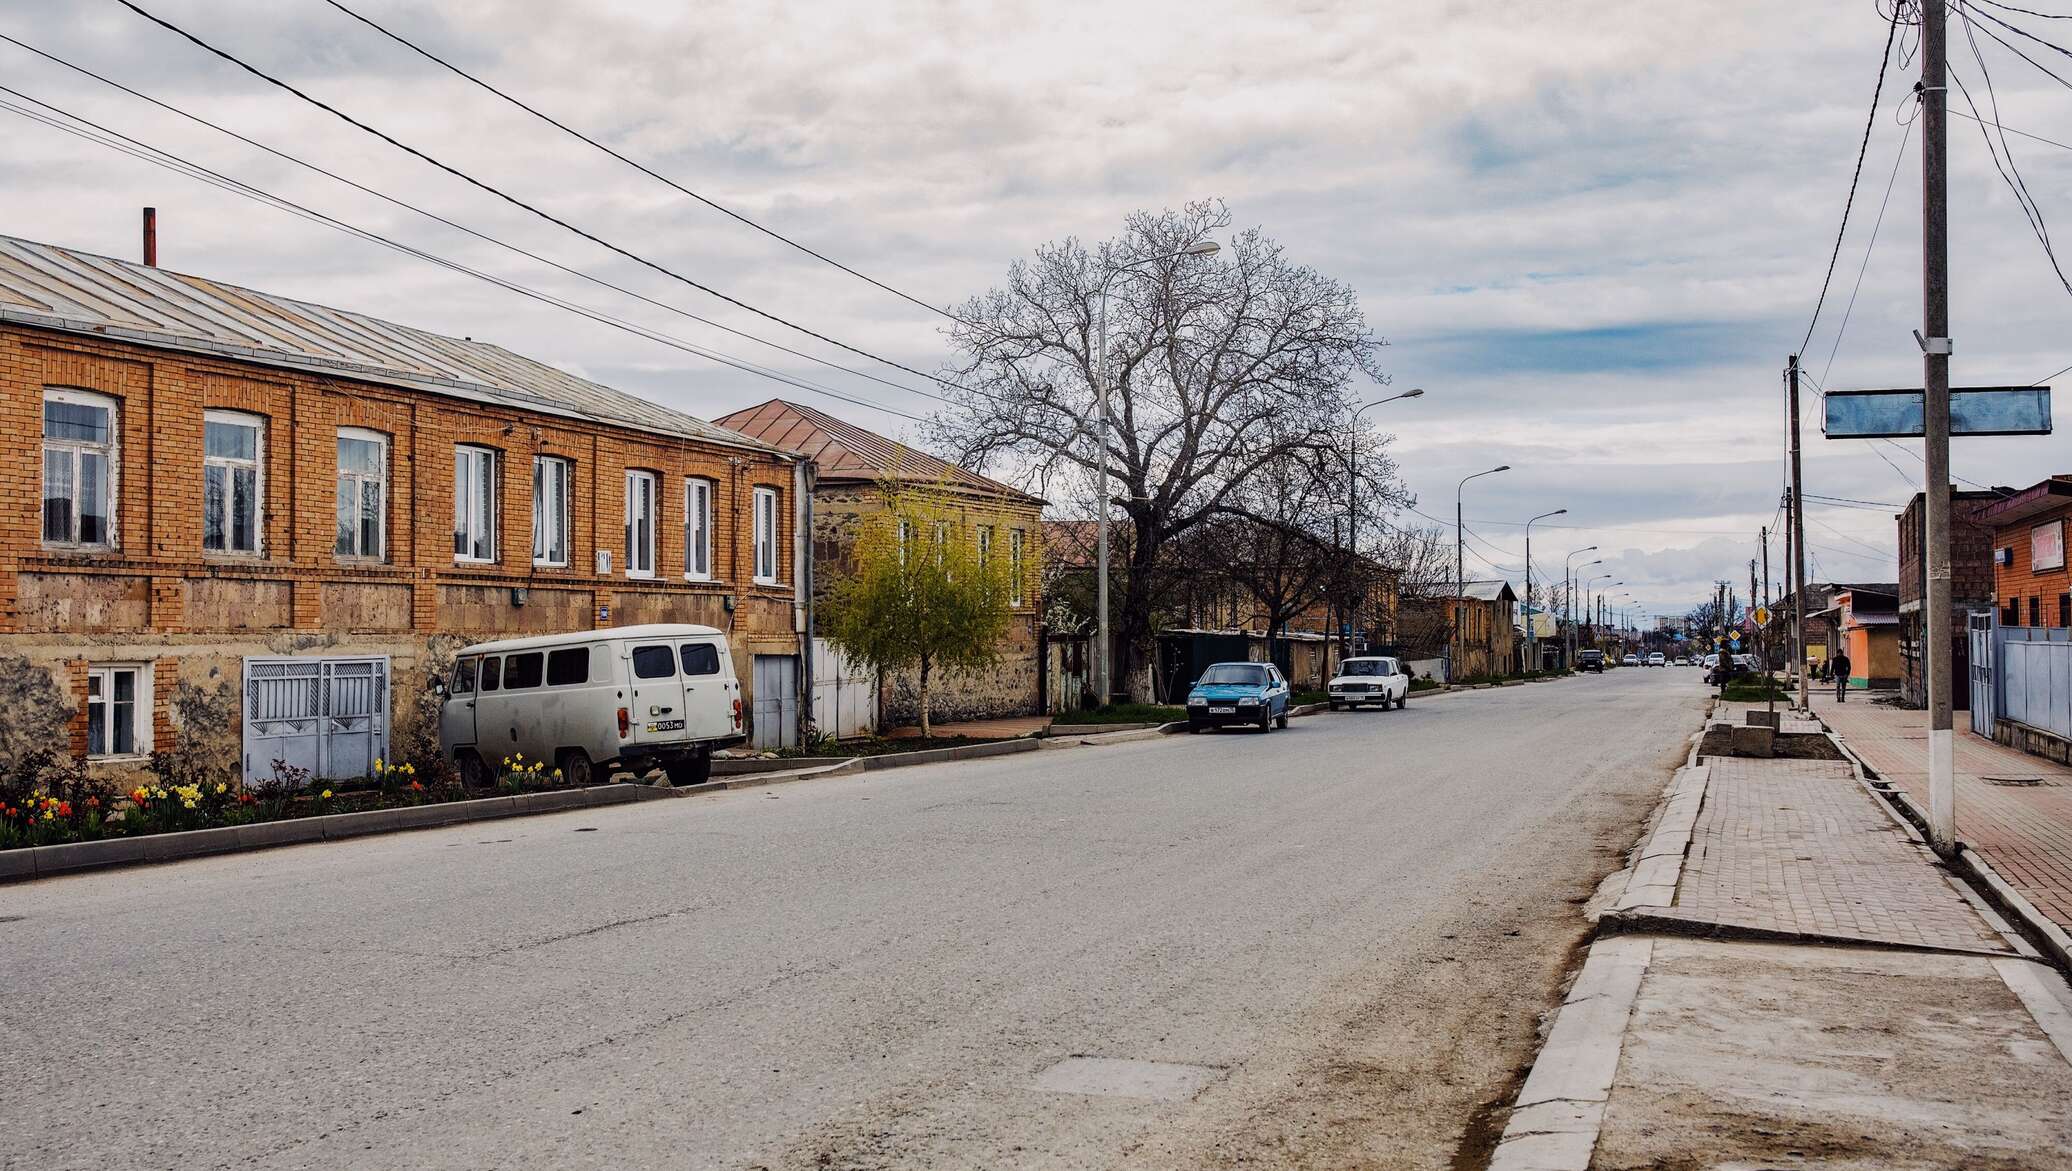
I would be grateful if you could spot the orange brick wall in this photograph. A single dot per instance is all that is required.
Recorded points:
(161, 398)
(2019, 582)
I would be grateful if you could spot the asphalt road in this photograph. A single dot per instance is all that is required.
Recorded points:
(1338, 939)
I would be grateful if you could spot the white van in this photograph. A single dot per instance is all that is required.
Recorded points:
(594, 702)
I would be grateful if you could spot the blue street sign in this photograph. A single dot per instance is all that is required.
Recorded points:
(1974, 410)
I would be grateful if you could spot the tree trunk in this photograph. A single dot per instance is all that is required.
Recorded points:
(926, 727)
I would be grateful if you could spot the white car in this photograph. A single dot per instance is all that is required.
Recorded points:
(1657, 659)
(1630, 661)
(1377, 680)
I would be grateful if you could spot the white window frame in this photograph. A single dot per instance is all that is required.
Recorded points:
(104, 675)
(358, 480)
(699, 495)
(1015, 539)
(640, 556)
(985, 546)
(906, 536)
(766, 530)
(553, 491)
(465, 497)
(75, 449)
(230, 466)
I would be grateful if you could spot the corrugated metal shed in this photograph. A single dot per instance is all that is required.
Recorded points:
(844, 451)
(77, 292)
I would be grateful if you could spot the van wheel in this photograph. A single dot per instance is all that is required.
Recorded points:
(576, 768)
(695, 770)
(473, 773)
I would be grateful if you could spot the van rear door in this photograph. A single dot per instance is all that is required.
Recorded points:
(708, 688)
(657, 703)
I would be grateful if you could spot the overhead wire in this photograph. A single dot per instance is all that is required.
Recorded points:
(516, 202)
(1863, 148)
(638, 166)
(136, 148)
(459, 227)
(2010, 173)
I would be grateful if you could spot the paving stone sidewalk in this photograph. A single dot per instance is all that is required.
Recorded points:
(2024, 830)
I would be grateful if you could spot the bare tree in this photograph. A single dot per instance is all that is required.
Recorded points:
(1216, 367)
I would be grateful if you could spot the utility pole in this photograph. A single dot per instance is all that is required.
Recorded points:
(1935, 417)
(1763, 634)
(1726, 657)
(1798, 542)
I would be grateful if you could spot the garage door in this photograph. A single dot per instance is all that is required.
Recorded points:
(329, 716)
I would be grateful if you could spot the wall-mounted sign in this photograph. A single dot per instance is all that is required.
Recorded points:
(2047, 547)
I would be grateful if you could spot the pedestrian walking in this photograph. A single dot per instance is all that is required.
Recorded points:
(1840, 666)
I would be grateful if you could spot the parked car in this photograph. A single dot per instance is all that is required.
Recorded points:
(1683, 660)
(1590, 660)
(1238, 693)
(1657, 659)
(1630, 661)
(1377, 680)
(593, 701)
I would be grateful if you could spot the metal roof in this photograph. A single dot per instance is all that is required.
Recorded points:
(844, 451)
(97, 296)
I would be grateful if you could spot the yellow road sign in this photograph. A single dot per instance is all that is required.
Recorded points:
(1762, 616)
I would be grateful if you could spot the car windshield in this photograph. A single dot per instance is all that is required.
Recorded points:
(1234, 673)
(1364, 667)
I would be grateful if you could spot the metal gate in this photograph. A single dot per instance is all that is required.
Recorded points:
(1978, 627)
(329, 716)
(776, 710)
(845, 693)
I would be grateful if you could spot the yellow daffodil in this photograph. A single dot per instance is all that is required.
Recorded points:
(377, 764)
(557, 774)
(326, 794)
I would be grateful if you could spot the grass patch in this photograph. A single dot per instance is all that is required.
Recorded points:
(1299, 698)
(1755, 689)
(1126, 713)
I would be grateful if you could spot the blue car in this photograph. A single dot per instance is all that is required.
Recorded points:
(1238, 693)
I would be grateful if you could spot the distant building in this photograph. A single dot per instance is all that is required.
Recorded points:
(1476, 631)
(1971, 588)
(2030, 584)
(1865, 620)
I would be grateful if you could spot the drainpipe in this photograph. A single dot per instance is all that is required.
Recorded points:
(802, 480)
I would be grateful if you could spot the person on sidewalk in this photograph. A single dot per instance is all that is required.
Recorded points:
(1840, 666)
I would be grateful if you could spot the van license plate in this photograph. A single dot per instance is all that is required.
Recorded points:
(666, 726)
(1222, 711)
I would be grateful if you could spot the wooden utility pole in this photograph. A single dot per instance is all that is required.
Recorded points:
(1935, 417)
(1726, 657)
(1763, 634)
(1798, 542)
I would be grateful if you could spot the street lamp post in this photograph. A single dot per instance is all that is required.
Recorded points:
(1568, 595)
(1532, 629)
(1460, 568)
(1591, 602)
(1103, 685)
(1352, 477)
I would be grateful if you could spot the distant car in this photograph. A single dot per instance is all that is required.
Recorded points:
(1238, 693)
(1377, 680)
(1630, 661)
(1590, 660)
(1683, 660)
(1658, 659)
(1710, 661)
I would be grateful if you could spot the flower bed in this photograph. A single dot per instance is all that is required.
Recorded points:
(49, 800)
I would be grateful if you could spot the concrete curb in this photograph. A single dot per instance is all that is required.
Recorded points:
(1098, 729)
(1659, 865)
(1555, 1122)
(74, 857)
(743, 766)
(1670, 921)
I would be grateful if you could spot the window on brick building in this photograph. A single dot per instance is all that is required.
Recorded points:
(362, 494)
(2065, 609)
(766, 536)
(233, 448)
(985, 545)
(697, 528)
(1014, 567)
(474, 504)
(2011, 612)
(2035, 611)
(640, 524)
(118, 711)
(551, 483)
(79, 462)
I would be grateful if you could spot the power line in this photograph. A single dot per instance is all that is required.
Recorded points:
(135, 148)
(1863, 148)
(514, 201)
(1849, 311)
(2011, 130)
(2030, 209)
(643, 169)
(459, 227)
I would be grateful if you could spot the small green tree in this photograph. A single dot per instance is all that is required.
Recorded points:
(919, 592)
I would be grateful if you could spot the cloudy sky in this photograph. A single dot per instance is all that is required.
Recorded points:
(1592, 230)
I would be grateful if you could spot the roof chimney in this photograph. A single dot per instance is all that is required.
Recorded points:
(151, 236)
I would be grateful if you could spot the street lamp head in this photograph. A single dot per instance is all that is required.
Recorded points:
(1417, 392)
(1559, 512)
(1202, 248)
(1501, 468)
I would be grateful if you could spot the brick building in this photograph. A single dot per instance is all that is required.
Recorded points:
(852, 469)
(1971, 588)
(2031, 586)
(229, 479)
(1477, 631)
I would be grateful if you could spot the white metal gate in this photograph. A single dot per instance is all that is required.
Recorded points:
(1979, 629)
(776, 708)
(844, 693)
(329, 716)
